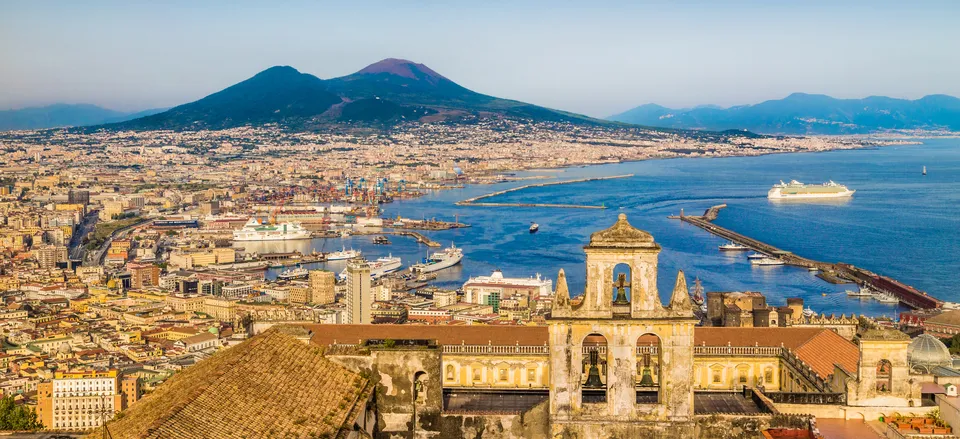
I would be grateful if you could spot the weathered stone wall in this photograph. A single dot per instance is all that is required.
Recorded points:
(535, 423)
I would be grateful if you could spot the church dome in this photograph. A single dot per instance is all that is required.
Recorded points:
(927, 352)
(622, 235)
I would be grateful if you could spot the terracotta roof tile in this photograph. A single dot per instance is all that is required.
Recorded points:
(826, 349)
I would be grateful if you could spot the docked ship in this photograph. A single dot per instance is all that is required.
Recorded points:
(293, 273)
(733, 247)
(343, 254)
(380, 267)
(799, 191)
(858, 293)
(254, 230)
(440, 260)
(753, 256)
(766, 261)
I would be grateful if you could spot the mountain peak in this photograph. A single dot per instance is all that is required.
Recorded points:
(403, 68)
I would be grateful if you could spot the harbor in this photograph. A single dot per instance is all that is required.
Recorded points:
(830, 272)
(474, 201)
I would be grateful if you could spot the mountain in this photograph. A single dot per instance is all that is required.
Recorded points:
(63, 115)
(387, 92)
(802, 113)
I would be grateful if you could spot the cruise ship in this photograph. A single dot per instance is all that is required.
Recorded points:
(254, 230)
(447, 258)
(380, 267)
(294, 273)
(799, 191)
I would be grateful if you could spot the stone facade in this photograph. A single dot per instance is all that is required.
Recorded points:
(611, 408)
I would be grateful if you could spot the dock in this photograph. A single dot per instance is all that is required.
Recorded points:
(834, 273)
(421, 238)
(475, 200)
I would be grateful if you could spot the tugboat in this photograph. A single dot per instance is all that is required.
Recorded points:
(534, 227)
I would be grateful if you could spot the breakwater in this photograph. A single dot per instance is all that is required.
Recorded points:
(475, 200)
(906, 294)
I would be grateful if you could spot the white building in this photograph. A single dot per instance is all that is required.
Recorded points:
(488, 290)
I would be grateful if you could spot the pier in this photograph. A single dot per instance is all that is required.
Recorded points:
(474, 201)
(421, 238)
(830, 272)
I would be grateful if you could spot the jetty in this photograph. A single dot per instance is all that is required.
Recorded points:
(475, 200)
(421, 238)
(835, 273)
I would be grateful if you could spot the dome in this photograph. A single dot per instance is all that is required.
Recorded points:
(926, 352)
(622, 235)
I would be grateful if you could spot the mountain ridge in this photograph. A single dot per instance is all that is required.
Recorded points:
(64, 115)
(806, 113)
(386, 92)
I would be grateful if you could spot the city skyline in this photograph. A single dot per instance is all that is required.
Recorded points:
(173, 54)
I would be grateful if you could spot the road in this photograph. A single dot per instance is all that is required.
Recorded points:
(101, 252)
(87, 224)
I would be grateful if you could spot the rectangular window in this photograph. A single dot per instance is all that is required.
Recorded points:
(716, 378)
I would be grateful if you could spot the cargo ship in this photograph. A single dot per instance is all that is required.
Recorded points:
(254, 230)
(796, 190)
(447, 258)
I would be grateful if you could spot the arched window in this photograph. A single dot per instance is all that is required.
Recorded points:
(648, 369)
(450, 372)
(420, 387)
(593, 381)
(884, 376)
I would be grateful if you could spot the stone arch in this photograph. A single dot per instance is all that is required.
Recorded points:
(594, 374)
(649, 353)
(620, 283)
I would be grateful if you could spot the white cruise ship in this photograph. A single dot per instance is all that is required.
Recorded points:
(799, 191)
(380, 267)
(254, 230)
(440, 260)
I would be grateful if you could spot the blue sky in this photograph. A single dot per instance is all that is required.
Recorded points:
(592, 57)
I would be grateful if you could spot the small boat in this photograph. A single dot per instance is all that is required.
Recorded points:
(534, 227)
(756, 256)
(885, 297)
(733, 247)
(858, 293)
(381, 240)
(924, 170)
(766, 261)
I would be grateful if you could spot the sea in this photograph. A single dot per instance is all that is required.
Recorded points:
(899, 223)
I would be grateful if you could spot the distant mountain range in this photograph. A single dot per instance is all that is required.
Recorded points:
(64, 115)
(802, 113)
(383, 93)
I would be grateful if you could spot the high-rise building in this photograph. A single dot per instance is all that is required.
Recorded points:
(49, 255)
(82, 400)
(359, 293)
(143, 275)
(321, 287)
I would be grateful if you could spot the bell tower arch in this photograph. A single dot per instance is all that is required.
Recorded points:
(625, 406)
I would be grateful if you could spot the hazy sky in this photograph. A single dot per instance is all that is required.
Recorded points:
(592, 57)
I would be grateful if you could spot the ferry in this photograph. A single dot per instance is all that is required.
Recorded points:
(796, 190)
(293, 273)
(534, 227)
(343, 254)
(733, 247)
(254, 230)
(766, 261)
(447, 258)
(379, 267)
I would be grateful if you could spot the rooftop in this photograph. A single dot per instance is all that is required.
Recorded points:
(622, 235)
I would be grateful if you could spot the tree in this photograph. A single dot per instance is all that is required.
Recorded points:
(17, 417)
